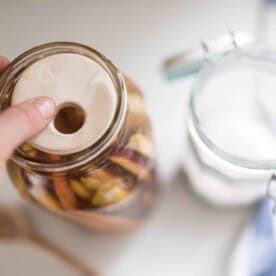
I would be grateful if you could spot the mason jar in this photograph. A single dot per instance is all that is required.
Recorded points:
(106, 182)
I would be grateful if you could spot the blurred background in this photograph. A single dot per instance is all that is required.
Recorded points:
(183, 236)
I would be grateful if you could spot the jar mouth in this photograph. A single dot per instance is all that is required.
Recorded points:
(18, 65)
(257, 55)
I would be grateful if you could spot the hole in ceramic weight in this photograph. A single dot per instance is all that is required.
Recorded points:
(70, 118)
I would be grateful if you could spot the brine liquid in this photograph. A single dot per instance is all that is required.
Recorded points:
(113, 192)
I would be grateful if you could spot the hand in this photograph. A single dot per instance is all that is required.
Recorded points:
(22, 121)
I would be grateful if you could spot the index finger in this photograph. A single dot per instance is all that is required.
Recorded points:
(4, 62)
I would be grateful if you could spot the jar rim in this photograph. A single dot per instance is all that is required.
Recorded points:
(259, 54)
(52, 48)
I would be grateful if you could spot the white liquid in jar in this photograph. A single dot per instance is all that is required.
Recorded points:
(234, 110)
(232, 113)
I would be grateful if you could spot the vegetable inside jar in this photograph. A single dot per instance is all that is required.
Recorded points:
(95, 162)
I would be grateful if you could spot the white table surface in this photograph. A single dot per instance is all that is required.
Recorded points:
(183, 236)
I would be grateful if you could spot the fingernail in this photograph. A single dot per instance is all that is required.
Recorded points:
(45, 106)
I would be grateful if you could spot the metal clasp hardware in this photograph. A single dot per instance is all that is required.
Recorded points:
(271, 191)
(215, 48)
(191, 60)
(234, 41)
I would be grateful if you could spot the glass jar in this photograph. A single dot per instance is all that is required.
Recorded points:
(231, 150)
(231, 154)
(109, 185)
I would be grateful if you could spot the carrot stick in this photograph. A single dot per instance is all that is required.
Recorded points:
(63, 190)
